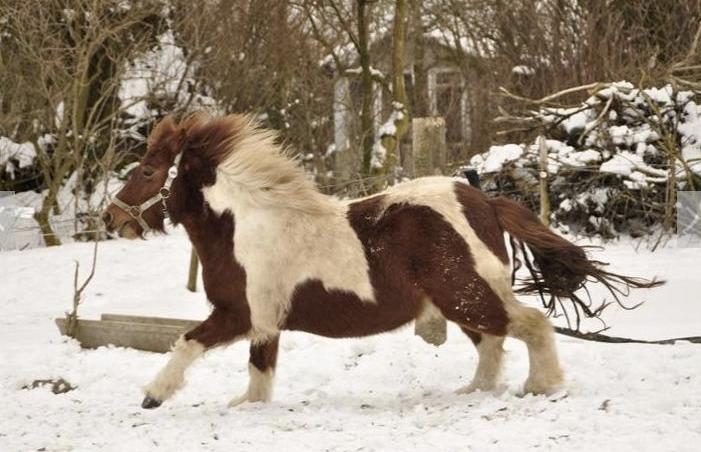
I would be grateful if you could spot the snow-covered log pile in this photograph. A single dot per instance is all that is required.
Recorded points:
(613, 161)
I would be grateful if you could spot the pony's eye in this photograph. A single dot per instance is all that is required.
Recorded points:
(147, 171)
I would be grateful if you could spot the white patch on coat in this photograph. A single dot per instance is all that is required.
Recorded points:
(532, 327)
(260, 387)
(286, 232)
(172, 376)
(491, 355)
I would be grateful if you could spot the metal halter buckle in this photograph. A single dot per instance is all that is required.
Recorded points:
(134, 211)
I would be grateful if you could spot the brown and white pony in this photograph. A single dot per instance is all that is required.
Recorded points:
(279, 255)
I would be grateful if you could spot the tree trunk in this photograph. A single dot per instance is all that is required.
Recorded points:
(392, 143)
(42, 218)
(420, 93)
(366, 113)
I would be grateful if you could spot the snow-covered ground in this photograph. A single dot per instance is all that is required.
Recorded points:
(389, 392)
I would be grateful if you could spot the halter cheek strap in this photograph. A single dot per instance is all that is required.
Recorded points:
(136, 212)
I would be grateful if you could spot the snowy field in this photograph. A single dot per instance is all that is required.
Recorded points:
(388, 392)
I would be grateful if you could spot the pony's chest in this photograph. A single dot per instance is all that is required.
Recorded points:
(287, 251)
(261, 238)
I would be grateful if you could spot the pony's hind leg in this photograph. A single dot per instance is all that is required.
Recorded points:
(531, 326)
(490, 353)
(261, 370)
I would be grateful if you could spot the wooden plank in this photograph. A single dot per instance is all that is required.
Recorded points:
(151, 320)
(152, 337)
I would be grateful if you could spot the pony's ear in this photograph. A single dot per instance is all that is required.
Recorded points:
(162, 132)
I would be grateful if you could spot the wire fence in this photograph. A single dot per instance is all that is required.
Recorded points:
(20, 233)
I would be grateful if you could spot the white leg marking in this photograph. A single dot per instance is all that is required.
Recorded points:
(530, 325)
(490, 352)
(172, 376)
(260, 387)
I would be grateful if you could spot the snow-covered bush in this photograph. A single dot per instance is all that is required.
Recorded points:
(613, 163)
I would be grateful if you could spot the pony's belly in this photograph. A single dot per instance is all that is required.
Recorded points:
(338, 314)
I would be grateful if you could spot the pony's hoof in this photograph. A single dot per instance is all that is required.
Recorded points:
(150, 403)
(472, 388)
(546, 389)
(238, 400)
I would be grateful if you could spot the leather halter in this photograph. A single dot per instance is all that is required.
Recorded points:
(162, 195)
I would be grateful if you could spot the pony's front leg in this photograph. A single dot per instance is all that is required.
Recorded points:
(261, 370)
(221, 327)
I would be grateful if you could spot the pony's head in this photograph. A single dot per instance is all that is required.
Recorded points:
(181, 158)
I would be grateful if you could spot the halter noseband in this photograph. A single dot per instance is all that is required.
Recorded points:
(136, 212)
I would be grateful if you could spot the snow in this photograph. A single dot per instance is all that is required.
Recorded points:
(632, 165)
(23, 153)
(388, 392)
(379, 155)
(452, 41)
(22, 231)
(575, 119)
(560, 154)
(159, 70)
(493, 160)
(373, 71)
(523, 70)
(162, 71)
(690, 130)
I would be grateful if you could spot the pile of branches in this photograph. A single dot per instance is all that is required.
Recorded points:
(614, 161)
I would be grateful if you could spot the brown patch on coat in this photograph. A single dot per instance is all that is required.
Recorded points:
(212, 235)
(223, 277)
(414, 254)
(482, 219)
(264, 356)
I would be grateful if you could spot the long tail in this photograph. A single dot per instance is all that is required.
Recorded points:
(561, 267)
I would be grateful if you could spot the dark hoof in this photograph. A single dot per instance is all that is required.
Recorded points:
(150, 403)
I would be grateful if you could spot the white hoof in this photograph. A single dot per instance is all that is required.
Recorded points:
(543, 386)
(236, 401)
(246, 398)
(472, 387)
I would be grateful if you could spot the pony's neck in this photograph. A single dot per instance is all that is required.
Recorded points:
(205, 232)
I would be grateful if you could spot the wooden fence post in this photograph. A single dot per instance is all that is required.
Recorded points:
(544, 198)
(192, 274)
(428, 158)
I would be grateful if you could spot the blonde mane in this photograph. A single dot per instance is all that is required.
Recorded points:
(264, 173)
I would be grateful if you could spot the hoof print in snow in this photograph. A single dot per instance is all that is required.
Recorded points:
(150, 403)
(58, 386)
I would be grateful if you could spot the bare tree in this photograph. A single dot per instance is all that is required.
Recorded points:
(69, 56)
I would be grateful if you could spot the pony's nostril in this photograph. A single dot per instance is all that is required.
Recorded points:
(107, 217)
